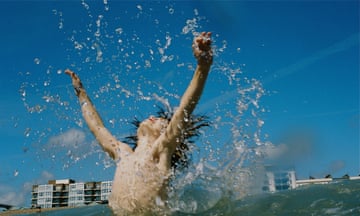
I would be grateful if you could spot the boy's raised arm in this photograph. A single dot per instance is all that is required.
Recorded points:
(204, 55)
(108, 142)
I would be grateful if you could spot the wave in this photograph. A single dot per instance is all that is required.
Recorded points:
(340, 198)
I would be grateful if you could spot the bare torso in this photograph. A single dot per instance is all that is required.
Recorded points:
(139, 184)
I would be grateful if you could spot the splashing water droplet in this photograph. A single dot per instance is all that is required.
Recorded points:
(27, 132)
(106, 6)
(78, 46)
(22, 93)
(196, 12)
(46, 83)
(260, 123)
(191, 26)
(37, 61)
(119, 30)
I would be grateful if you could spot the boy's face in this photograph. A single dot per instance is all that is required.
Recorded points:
(152, 127)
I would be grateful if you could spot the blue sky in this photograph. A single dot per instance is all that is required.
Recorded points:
(132, 55)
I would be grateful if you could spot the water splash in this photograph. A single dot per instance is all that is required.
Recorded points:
(59, 14)
(104, 52)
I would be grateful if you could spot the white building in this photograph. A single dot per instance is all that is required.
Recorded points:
(313, 181)
(279, 179)
(63, 193)
(105, 189)
(45, 196)
(76, 194)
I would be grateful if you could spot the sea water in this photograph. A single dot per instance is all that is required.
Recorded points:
(114, 53)
(340, 198)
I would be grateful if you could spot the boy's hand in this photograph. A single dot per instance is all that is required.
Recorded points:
(202, 49)
(75, 81)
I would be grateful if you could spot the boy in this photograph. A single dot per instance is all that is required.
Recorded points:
(142, 174)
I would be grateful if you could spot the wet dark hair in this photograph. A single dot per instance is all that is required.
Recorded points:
(181, 156)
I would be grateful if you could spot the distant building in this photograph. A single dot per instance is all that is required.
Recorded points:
(313, 181)
(68, 193)
(277, 179)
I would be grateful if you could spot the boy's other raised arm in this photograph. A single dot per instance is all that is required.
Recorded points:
(204, 55)
(108, 142)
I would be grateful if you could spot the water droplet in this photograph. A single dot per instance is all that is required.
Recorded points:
(147, 64)
(106, 5)
(119, 30)
(46, 83)
(196, 12)
(112, 122)
(16, 173)
(27, 132)
(171, 10)
(260, 123)
(22, 93)
(78, 46)
(37, 61)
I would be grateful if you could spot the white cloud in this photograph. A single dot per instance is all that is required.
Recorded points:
(69, 148)
(70, 138)
(11, 198)
(275, 152)
(295, 146)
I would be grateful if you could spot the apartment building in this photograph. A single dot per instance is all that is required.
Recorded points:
(68, 193)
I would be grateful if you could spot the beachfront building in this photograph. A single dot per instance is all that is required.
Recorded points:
(309, 181)
(278, 179)
(68, 193)
(105, 189)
